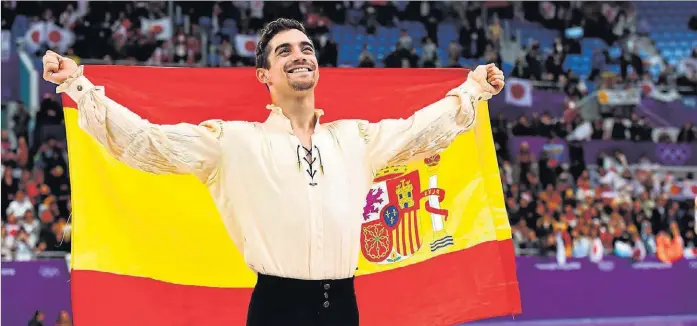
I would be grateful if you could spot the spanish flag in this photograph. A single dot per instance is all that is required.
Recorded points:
(152, 249)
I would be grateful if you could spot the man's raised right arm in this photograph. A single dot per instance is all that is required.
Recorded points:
(162, 149)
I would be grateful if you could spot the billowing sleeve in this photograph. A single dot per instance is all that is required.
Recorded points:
(160, 149)
(427, 132)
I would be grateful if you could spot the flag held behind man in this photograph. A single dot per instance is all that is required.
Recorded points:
(152, 250)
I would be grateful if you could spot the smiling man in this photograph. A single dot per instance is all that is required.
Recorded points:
(305, 246)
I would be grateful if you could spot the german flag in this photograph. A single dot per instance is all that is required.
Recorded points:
(152, 249)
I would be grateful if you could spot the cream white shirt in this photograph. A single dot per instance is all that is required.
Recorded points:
(290, 215)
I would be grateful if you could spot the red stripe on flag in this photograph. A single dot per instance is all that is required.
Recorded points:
(398, 243)
(411, 235)
(403, 296)
(188, 95)
(416, 232)
(127, 300)
(403, 230)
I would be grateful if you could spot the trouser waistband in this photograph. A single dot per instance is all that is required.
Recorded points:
(280, 301)
(304, 285)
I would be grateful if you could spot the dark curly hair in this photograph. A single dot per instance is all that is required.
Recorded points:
(269, 31)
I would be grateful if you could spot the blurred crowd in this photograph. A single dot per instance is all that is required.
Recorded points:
(609, 210)
(35, 184)
(581, 210)
(638, 130)
(120, 31)
(612, 209)
(39, 319)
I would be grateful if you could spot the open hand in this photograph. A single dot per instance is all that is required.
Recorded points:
(57, 68)
(489, 77)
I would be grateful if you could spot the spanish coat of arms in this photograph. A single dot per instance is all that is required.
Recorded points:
(391, 223)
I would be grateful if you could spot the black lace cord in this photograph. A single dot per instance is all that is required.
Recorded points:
(310, 171)
(321, 166)
(297, 152)
(310, 165)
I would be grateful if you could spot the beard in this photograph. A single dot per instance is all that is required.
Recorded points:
(301, 85)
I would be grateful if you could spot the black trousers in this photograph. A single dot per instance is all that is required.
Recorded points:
(289, 302)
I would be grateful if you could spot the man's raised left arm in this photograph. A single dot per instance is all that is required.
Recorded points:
(433, 128)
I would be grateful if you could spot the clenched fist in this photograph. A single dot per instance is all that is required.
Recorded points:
(489, 77)
(57, 68)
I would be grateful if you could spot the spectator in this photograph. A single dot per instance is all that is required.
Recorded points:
(581, 244)
(366, 59)
(405, 41)
(553, 66)
(32, 226)
(49, 119)
(522, 127)
(12, 227)
(635, 128)
(6, 242)
(687, 80)
(669, 246)
(520, 70)
(598, 62)
(6, 142)
(687, 133)
(50, 156)
(495, 31)
(181, 52)
(465, 38)
(619, 130)
(54, 238)
(630, 58)
(23, 247)
(479, 39)
(454, 54)
(499, 127)
(490, 54)
(648, 238)
(623, 244)
(545, 128)
(525, 161)
(429, 54)
(533, 61)
(21, 121)
(20, 205)
(328, 51)
(530, 241)
(38, 319)
(412, 59)
(64, 317)
(370, 21)
(10, 186)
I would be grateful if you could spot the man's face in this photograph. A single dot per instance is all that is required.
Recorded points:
(292, 63)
